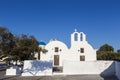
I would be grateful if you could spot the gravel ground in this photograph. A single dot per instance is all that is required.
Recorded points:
(57, 77)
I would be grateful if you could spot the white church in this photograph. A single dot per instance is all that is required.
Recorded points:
(58, 52)
(79, 59)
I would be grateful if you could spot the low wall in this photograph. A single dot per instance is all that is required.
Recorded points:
(37, 68)
(89, 67)
(13, 71)
(117, 69)
(42, 68)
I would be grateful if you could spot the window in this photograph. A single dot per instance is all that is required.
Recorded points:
(76, 37)
(82, 50)
(81, 37)
(82, 58)
(56, 49)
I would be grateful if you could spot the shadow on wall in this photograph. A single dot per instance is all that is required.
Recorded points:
(109, 72)
(38, 66)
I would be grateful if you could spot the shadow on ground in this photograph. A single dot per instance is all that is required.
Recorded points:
(109, 73)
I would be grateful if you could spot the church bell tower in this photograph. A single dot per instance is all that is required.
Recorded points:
(77, 37)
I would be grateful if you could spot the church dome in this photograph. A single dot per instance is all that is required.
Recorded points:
(42, 43)
(52, 44)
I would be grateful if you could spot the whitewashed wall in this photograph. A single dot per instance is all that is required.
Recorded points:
(89, 52)
(13, 71)
(37, 68)
(70, 54)
(117, 69)
(42, 68)
(89, 67)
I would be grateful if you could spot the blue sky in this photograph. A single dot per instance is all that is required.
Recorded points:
(50, 19)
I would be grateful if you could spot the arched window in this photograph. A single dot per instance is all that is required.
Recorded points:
(76, 37)
(81, 37)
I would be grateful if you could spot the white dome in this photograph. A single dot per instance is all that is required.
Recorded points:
(52, 44)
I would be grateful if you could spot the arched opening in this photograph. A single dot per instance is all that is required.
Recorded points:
(81, 37)
(75, 37)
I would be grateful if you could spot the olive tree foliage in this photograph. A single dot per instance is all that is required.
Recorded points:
(26, 47)
(106, 47)
(102, 55)
(15, 48)
(7, 42)
(106, 52)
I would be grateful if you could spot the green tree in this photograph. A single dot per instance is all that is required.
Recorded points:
(102, 55)
(118, 50)
(117, 57)
(6, 42)
(106, 47)
(26, 47)
(106, 52)
(17, 47)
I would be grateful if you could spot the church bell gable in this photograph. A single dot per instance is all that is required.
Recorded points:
(77, 37)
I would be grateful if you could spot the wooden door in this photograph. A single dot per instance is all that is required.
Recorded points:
(56, 60)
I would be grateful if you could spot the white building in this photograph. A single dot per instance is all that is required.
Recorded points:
(79, 59)
(80, 50)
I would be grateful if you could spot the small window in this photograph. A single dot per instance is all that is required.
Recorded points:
(56, 49)
(60, 49)
(82, 58)
(76, 37)
(82, 50)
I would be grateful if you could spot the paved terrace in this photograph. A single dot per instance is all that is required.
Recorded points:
(57, 77)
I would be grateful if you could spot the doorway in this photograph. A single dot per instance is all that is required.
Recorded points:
(56, 60)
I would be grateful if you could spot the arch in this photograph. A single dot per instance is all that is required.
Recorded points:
(75, 37)
(56, 47)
